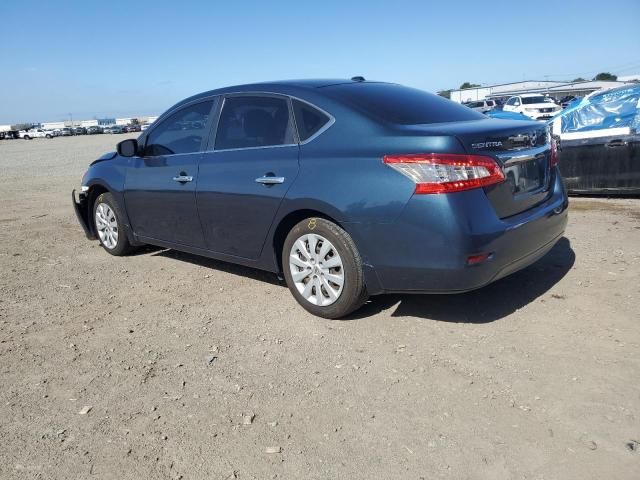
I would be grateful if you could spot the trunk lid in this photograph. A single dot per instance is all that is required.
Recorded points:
(521, 148)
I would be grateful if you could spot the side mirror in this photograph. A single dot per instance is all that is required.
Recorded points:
(128, 148)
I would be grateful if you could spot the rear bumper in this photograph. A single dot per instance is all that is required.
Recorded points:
(81, 207)
(426, 249)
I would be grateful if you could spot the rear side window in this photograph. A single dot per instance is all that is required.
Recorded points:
(309, 120)
(254, 121)
(401, 105)
(181, 132)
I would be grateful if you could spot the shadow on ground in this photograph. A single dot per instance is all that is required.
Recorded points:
(487, 304)
(226, 267)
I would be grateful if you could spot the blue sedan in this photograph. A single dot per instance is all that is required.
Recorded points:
(347, 188)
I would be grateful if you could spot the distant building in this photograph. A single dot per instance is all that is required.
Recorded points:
(554, 89)
(629, 78)
(53, 125)
(147, 119)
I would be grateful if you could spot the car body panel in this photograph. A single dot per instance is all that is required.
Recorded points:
(601, 165)
(235, 210)
(159, 207)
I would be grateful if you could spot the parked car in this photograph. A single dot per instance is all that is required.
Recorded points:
(374, 188)
(34, 133)
(9, 135)
(94, 129)
(132, 128)
(66, 132)
(599, 148)
(564, 101)
(80, 131)
(115, 129)
(481, 106)
(532, 105)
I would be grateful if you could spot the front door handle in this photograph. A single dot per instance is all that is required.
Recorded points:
(269, 180)
(183, 178)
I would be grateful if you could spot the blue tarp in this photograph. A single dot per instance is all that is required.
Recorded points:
(618, 107)
(506, 115)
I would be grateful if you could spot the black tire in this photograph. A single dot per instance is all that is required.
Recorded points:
(27, 137)
(48, 136)
(354, 292)
(122, 246)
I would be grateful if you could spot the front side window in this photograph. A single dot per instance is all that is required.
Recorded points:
(254, 121)
(181, 132)
(309, 120)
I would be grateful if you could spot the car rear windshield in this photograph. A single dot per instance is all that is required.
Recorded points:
(402, 105)
(532, 100)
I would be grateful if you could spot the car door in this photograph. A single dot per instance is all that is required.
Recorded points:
(508, 106)
(160, 185)
(601, 163)
(250, 164)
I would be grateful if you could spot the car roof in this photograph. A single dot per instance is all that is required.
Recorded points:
(281, 86)
(527, 95)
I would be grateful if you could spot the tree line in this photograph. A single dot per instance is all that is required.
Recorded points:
(602, 76)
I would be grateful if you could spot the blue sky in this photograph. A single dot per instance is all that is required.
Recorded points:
(108, 58)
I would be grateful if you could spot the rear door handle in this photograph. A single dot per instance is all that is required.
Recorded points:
(183, 178)
(270, 180)
(615, 143)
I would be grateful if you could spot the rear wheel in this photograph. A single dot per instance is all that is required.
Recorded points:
(27, 137)
(323, 268)
(110, 226)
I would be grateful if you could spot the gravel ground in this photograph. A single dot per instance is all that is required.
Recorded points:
(167, 365)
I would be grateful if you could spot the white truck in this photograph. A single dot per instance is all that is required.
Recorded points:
(35, 133)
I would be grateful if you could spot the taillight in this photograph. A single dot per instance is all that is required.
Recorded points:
(553, 158)
(446, 172)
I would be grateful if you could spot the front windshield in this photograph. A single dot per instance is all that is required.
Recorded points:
(531, 100)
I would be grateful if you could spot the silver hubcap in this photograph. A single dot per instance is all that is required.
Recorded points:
(107, 225)
(316, 269)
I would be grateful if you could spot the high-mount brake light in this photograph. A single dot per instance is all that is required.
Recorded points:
(446, 172)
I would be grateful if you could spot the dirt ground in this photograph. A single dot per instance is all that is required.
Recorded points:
(166, 365)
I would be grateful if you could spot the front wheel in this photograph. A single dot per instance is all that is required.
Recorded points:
(323, 268)
(110, 226)
(27, 137)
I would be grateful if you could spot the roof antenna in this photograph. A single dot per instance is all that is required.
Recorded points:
(358, 79)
